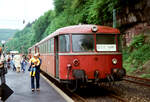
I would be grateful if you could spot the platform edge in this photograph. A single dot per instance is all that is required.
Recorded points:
(65, 96)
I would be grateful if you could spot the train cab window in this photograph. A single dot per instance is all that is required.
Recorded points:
(64, 43)
(105, 42)
(82, 43)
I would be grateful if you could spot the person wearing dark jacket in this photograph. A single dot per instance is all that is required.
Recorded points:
(34, 63)
(37, 75)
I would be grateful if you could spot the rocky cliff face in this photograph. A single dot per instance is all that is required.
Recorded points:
(136, 13)
(134, 19)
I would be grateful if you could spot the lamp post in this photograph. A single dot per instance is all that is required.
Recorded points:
(114, 18)
(114, 15)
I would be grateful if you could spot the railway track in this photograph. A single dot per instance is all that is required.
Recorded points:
(74, 96)
(78, 98)
(137, 80)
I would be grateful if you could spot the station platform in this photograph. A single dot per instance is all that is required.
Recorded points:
(21, 85)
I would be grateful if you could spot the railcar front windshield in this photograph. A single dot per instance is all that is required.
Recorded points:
(82, 43)
(106, 42)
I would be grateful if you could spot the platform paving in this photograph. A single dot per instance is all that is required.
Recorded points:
(20, 84)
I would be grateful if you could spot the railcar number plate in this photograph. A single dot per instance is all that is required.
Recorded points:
(106, 47)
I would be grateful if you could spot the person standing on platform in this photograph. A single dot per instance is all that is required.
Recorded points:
(38, 74)
(17, 62)
(23, 64)
(8, 61)
(34, 63)
(13, 65)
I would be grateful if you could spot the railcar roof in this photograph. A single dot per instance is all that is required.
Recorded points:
(86, 29)
(76, 29)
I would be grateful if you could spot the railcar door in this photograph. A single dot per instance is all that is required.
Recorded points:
(56, 58)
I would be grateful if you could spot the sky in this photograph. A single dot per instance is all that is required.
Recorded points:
(13, 12)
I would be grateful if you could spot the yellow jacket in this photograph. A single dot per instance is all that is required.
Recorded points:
(34, 61)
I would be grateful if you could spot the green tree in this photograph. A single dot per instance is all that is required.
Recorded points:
(41, 24)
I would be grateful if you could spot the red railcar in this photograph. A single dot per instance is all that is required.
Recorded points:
(84, 53)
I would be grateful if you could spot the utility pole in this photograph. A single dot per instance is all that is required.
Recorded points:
(114, 18)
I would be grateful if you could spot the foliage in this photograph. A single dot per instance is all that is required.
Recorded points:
(66, 12)
(21, 41)
(41, 24)
(134, 59)
(59, 6)
(142, 54)
(137, 41)
(125, 53)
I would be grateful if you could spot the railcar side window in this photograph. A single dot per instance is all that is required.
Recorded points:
(82, 43)
(46, 46)
(105, 42)
(64, 43)
(49, 46)
(52, 45)
(29, 51)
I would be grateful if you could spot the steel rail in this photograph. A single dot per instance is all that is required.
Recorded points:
(137, 82)
(138, 78)
(78, 98)
(118, 98)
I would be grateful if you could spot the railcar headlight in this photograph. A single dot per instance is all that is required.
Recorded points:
(94, 28)
(76, 62)
(114, 61)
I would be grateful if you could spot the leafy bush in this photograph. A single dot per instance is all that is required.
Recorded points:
(137, 41)
(134, 59)
(145, 76)
(142, 54)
